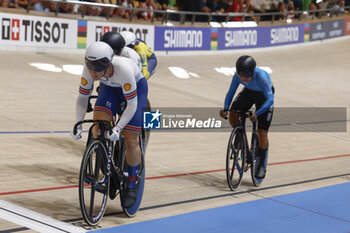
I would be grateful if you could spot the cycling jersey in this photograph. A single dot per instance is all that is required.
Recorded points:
(133, 55)
(126, 76)
(260, 82)
(148, 58)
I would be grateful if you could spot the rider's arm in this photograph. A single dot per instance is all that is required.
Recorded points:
(85, 90)
(127, 73)
(152, 64)
(143, 50)
(231, 92)
(266, 87)
(151, 60)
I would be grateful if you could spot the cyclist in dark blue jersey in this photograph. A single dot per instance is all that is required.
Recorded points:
(258, 89)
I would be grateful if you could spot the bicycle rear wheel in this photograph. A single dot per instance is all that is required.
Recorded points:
(235, 158)
(94, 183)
(256, 181)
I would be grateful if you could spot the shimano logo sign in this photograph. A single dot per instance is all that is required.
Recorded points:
(183, 38)
(284, 35)
(241, 38)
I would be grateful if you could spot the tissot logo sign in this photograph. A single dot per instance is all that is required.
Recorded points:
(29, 30)
(97, 29)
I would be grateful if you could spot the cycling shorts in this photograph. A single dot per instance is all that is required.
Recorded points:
(247, 98)
(111, 98)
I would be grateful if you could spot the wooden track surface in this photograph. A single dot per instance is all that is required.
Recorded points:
(39, 162)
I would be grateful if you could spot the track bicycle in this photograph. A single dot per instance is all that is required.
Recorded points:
(239, 156)
(104, 162)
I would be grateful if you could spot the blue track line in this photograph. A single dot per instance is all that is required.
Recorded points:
(320, 210)
(170, 129)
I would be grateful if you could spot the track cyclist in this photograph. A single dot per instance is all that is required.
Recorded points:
(121, 80)
(258, 89)
(118, 44)
(148, 58)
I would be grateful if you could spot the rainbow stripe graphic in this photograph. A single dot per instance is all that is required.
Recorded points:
(82, 34)
(306, 32)
(214, 39)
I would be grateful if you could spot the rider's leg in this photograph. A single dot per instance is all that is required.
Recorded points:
(105, 108)
(261, 155)
(243, 102)
(133, 155)
(133, 161)
(99, 115)
(264, 122)
(152, 64)
(233, 119)
(133, 150)
(106, 105)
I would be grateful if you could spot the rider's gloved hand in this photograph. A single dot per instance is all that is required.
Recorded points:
(253, 117)
(77, 136)
(223, 113)
(114, 136)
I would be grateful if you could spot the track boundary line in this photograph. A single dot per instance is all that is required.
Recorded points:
(174, 175)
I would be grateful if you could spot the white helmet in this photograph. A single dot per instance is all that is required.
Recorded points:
(129, 38)
(98, 56)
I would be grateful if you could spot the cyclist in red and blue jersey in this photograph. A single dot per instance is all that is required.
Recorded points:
(121, 81)
(258, 89)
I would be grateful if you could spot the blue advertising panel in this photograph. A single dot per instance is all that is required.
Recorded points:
(170, 38)
(282, 35)
(326, 29)
(239, 38)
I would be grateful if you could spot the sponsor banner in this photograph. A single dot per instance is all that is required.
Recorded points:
(171, 38)
(236, 38)
(37, 31)
(331, 119)
(283, 35)
(326, 30)
(347, 26)
(240, 38)
(95, 30)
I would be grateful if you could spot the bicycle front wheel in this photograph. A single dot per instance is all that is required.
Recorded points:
(94, 183)
(235, 158)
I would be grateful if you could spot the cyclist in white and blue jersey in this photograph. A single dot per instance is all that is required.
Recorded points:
(121, 81)
(258, 90)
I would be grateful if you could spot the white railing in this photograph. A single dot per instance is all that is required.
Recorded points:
(186, 16)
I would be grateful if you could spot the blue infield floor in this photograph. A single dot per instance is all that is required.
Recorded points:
(319, 210)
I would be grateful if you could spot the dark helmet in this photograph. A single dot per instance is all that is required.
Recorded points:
(115, 40)
(245, 66)
(98, 56)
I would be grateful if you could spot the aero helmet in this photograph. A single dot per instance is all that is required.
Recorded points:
(245, 66)
(98, 56)
(115, 40)
(129, 38)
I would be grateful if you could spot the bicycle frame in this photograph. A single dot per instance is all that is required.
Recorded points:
(248, 157)
(105, 126)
